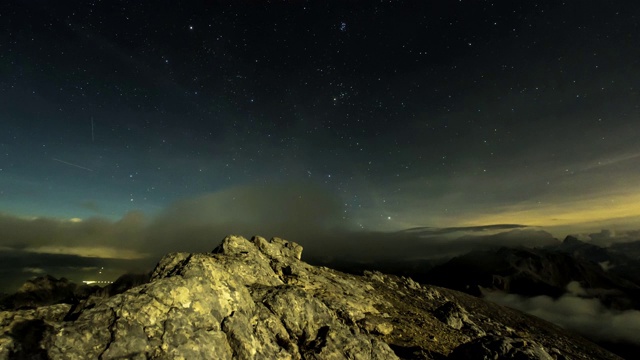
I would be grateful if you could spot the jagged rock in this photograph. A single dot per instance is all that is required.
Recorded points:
(498, 348)
(376, 324)
(452, 315)
(255, 299)
(123, 283)
(455, 316)
(22, 331)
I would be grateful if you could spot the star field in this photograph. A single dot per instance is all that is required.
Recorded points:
(444, 113)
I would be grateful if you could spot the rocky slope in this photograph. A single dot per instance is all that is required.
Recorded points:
(257, 300)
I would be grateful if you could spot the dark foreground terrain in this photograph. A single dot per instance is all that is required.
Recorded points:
(255, 299)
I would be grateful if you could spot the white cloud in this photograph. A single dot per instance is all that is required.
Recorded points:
(571, 311)
(34, 270)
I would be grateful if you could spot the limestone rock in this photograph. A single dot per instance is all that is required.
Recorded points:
(452, 315)
(499, 348)
(256, 299)
(23, 330)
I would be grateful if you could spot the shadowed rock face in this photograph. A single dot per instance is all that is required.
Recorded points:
(257, 300)
(45, 290)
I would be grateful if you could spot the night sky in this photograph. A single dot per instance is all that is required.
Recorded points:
(291, 116)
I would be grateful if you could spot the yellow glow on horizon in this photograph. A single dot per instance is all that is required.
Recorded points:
(593, 210)
(85, 251)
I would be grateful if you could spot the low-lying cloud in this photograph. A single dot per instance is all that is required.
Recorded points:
(575, 312)
(195, 224)
(606, 237)
(53, 235)
(293, 211)
(304, 213)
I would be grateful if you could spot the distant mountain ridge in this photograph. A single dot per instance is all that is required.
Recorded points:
(546, 267)
(532, 272)
(623, 259)
(47, 290)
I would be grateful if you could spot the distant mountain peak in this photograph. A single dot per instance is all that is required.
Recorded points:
(572, 240)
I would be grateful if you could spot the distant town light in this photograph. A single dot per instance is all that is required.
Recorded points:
(96, 282)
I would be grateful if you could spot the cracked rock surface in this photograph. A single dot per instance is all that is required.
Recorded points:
(256, 299)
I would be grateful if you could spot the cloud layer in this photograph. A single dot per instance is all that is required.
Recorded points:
(572, 311)
(303, 213)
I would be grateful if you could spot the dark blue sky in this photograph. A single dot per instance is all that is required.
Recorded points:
(399, 114)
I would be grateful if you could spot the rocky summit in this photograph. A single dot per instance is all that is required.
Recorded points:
(256, 299)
